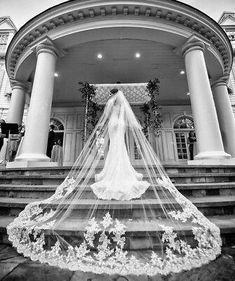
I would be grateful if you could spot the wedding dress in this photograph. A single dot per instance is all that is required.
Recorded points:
(118, 179)
(111, 217)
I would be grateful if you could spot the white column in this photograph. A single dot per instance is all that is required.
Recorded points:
(37, 125)
(209, 140)
(225, 115)
(16, 109)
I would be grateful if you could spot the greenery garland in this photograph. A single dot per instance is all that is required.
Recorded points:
(91, 108)
(152, 116)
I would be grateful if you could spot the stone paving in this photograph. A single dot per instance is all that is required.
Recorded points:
(14, 267)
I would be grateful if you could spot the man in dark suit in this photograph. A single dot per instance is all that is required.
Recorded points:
(51, 139)
(1, 135)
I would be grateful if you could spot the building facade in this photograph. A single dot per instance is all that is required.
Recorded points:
(227, 22)
(103, 42)
(7, 31)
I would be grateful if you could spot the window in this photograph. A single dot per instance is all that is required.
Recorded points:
(184, 122)
(58, 125)
(181, 143)
(182, 126)
(3, 41)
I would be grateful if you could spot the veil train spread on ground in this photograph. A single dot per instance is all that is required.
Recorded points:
(111, 217)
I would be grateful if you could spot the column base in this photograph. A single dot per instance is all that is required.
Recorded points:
(31, 160)
(32, 157)
(211, 162)
(28, 164)
(212, 155)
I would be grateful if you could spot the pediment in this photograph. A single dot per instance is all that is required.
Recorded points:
(6, 23)
(227, 19)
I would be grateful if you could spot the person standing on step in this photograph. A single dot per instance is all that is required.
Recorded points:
(191, 141)
(57, 153)
(1, 135)
(51, 139)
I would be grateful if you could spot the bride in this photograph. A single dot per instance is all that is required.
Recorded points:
(81, 227)
(118, 179)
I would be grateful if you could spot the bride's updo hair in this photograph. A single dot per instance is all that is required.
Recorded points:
(113, 92)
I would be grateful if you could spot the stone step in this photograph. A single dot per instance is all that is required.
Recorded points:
(135, 231)
(45, 191)
(210, 188)
(209, 206)
(169, 168)
(41, 179)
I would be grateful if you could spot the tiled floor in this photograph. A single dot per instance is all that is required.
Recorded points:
(14, 267)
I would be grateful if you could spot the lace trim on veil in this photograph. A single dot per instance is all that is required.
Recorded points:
(114, 259)
(102, 236)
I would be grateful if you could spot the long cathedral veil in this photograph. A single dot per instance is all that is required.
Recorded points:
(145, 227)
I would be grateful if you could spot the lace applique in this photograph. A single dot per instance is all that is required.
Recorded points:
(102, 250)
(99, 143)
(64, 189)
(168, 234)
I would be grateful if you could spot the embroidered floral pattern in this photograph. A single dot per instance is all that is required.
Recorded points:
(57, 230)
(109, 255)
(65, 189)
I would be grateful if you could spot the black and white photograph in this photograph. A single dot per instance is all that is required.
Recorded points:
(117, 140)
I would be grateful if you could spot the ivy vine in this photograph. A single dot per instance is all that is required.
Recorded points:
(151, 109)
(152, 115)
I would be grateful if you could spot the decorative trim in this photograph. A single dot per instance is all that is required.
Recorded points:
(222, 81)
(47, 46)
(165, 11)
(231, 35)
(193, 46)
(225, 16)
(27, 233)
(8, 21)
(136, 93)
(15, 84)
(43, 48)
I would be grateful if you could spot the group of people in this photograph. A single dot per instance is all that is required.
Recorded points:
(10, 145)
(10, 142)
(54, 147)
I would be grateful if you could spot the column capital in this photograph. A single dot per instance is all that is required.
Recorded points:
(16, 84)
(222, 81)
(47, 46)
(192, 45)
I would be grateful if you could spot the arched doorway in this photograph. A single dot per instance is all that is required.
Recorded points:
(59, 129)
(182, 126)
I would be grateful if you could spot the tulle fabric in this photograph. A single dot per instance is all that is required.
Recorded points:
(118, 180)
(110, 216)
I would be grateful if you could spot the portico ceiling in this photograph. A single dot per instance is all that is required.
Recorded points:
(117, 30)
(120, 64)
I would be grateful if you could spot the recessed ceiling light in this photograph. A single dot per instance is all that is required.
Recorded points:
(188, 94)
(99, 56)
(56, 74)
(137, 55)
(182, 72)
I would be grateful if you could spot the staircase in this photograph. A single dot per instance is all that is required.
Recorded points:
(210, 188)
